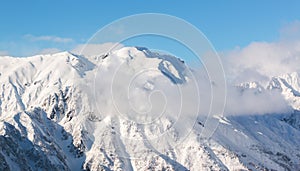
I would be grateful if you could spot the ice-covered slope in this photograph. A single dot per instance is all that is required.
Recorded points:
(289, 85)
(53, 116)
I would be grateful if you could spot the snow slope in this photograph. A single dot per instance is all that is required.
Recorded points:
(69, 112)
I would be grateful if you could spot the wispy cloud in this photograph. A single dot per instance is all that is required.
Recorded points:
(55, 39)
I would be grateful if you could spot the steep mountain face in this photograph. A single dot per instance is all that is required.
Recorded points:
(58, 112)
(289, 85)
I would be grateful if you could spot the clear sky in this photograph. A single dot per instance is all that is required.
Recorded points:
(33, 26)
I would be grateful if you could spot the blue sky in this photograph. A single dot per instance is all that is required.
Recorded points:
(31, 26)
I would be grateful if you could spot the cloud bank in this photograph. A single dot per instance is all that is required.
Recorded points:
(260, 61)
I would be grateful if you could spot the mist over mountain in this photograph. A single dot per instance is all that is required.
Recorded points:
(135, 109)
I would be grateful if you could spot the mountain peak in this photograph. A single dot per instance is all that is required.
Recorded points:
(51, 114)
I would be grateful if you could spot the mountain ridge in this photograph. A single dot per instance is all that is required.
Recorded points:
(50, 107)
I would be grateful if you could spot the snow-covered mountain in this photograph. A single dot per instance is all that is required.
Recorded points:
(58, 112)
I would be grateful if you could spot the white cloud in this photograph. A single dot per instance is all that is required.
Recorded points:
(238, 102)
(48, 38)
(49, 51)
(262, 60)
(249, 102)
(96, 49)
